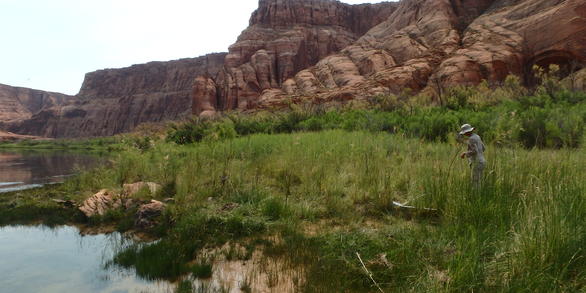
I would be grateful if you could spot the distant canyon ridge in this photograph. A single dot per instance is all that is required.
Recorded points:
(318, 50)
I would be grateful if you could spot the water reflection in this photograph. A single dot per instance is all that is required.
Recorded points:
(33, 169)
(39, 259)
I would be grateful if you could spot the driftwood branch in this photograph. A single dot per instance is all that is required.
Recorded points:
(369, 273)
(403, 206)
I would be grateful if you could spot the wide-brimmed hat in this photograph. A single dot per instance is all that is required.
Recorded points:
(466, 128)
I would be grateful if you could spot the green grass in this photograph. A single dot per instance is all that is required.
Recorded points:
(33, 206)
(329, 195)
(82, 145)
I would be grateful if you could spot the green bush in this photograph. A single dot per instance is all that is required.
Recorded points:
(186, 133)
(274, 209)
(246, 125)
(551, 128)
(202, 271)
(199, 129)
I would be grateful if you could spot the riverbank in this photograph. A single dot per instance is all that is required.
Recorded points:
(9, 137)
(321, 199)
(311, 201)
(106, 144)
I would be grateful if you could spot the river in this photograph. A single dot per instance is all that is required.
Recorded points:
(54, 260)
(61, 259)
(29, 169)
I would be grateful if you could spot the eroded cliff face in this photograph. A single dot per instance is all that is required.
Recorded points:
(117, 100)
(324, 50)
(285, 37)
(433, 44)
(17, 103)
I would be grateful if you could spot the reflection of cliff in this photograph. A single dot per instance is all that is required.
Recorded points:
(13, 170)
(324, 50)
(41, 168)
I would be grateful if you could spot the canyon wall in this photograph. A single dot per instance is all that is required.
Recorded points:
(285, 37)
(433, 44)
(17, 103)
(117, 100)
(321, 51)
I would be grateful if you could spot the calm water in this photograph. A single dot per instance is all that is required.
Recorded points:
(22, 170)
(39, 259)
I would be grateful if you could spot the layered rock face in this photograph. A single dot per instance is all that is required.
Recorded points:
(17, 104)
(285, 37)
(426, 44)
(117, 100)
(324, 50)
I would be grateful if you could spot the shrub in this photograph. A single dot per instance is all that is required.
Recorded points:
(274, 209)
(246, 125)
(222, 130)
(190, 132)
(457, 97)
(202, 271)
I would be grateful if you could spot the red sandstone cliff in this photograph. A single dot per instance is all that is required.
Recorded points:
(17, 103)
(117, 100)
(447, 42)
(325, 50)
(284, 37)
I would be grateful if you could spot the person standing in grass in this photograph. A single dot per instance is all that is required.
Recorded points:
(475, 153)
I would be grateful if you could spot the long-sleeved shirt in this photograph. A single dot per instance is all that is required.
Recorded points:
(476, 149)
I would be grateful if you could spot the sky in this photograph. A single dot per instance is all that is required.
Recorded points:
(51, 44)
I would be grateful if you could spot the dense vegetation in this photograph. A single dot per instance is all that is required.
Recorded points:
(505, 116)
(312, 187)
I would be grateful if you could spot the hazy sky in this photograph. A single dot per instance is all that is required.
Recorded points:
(51, 44)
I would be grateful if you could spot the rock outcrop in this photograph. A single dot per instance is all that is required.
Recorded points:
(100, 203)
(117, 100)
(106, 201)
(440, 43)
(324, 50)
(147, 214)
(285, 37)
(18, 104)
(9, 136)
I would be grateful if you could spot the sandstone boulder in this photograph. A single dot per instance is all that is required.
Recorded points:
(129, 190)
(100, 203)
(576, 81)
(147, 214)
